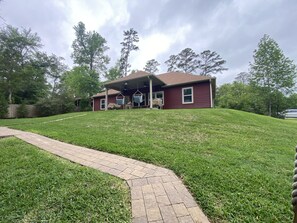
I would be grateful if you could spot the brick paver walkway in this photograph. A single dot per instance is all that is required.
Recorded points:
(158, 195)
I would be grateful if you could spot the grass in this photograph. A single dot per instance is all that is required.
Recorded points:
(36, 186)
(237, 165)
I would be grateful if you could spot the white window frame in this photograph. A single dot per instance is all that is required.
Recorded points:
(154, 96)
(183, 95)
(100, 105)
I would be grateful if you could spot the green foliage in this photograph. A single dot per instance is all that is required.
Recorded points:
(22, 111)
(81, 82)
(55, 68)
(292, 101)
(241, 97)
(85, 104)
(236, 164)
(128, 45)
(272, 71)
(39, 187)
(3, 106)
(250, 98)
(20, 74)
(89, 49)
(151, 66)
(113, 73)
(56, 104)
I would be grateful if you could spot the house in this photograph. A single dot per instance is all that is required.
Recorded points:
(175, 89)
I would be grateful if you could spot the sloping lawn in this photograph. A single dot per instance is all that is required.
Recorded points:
(237, 165)
(36, 186)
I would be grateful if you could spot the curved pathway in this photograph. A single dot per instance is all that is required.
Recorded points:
(158, 195)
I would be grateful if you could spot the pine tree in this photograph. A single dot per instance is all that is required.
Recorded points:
(151, 66)
(130, 37)
(211, 63)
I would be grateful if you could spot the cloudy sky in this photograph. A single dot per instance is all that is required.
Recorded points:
(165, 27)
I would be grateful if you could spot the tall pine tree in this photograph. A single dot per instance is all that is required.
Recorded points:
(130, 38)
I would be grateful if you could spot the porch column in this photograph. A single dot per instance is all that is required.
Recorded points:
(151, 93)
(210, 93)
(106, 98)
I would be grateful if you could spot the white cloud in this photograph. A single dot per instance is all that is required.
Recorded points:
(156, 44)
(93, 14)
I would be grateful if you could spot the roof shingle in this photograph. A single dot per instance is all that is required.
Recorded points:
(177, 78)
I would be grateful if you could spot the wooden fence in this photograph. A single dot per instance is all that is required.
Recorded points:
(12, 111)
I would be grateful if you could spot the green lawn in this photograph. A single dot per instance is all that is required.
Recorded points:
(36, 186)
(237, 165)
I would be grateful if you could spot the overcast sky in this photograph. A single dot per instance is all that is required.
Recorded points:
(231, 28)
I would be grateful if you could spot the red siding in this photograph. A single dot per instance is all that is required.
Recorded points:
(173, 96)
(111, 99)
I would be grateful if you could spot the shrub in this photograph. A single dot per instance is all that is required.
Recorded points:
(22, 111)
(3, 106)
(54, 106)
(85, 104)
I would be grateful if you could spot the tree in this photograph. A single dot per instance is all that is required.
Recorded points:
(243, 77)
(272, 71)
(151, 66)
(172, 63)
(211, 63)
(81, 82)
(130, 37)
(114, 72)
(20, 73)
(55, 69)
(89, 48)
(186, 61)
(239, 96)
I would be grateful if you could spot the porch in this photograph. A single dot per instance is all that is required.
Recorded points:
(138, 90)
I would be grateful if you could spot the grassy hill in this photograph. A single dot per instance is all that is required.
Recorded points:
(36, 186)
(237, 165)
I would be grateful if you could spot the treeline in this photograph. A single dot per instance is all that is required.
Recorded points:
(269, 87)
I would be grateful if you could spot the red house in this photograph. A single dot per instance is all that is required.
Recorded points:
(175, 89)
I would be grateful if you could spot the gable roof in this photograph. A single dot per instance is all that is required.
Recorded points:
(166, 79)
(110, 92)
(135, 75)
(180, 78)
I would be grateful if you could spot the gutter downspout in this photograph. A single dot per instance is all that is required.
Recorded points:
(210, 89)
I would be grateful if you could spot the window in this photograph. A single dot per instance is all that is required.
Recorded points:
(187, 95)
(158, 94)
(102, 104)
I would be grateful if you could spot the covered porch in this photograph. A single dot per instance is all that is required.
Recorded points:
(139, 89)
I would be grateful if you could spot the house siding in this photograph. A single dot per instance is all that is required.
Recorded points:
(172, 96)
(111, 99)
(201, 94)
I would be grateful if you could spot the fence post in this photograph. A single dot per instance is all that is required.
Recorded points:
(294, 187)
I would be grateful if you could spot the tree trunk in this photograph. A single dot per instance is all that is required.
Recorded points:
(10, 97)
